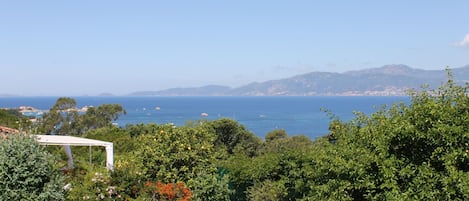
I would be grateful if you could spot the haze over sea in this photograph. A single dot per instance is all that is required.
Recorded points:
(297, 115)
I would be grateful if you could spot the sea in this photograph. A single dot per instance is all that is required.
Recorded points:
(297, 115)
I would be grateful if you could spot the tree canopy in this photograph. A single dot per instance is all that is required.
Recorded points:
(64, 118)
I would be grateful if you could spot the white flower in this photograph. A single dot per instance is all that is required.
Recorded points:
(111, 190)
(68, 187)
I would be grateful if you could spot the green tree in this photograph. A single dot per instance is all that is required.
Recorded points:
(286, 143)
(101, 116)
(27, 171)
(234, 137)
(276, 134)
(62, 118)
(276, 173)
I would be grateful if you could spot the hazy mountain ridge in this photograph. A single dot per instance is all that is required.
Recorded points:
(209, 90)
(389, 80)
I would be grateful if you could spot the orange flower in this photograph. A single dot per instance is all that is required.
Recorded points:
(169, 191)
(148, 184)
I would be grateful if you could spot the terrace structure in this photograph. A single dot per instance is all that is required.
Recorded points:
(62, 140)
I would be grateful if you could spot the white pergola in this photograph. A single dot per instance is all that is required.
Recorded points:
(78, 141)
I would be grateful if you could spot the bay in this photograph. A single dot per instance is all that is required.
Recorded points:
(297, 115)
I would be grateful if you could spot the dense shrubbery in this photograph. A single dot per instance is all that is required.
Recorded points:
(415, 151)
(27, 171)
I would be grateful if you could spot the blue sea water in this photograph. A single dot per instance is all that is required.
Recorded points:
(297, 115)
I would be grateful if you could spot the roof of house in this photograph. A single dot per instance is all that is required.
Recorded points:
(6, 130)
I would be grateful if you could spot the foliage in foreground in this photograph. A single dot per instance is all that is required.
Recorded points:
(27, 171)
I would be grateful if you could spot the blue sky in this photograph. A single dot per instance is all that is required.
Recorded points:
(70, 48)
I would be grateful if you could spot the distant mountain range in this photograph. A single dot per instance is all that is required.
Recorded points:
(389, 80)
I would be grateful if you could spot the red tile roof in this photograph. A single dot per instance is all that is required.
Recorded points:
(6, 130)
